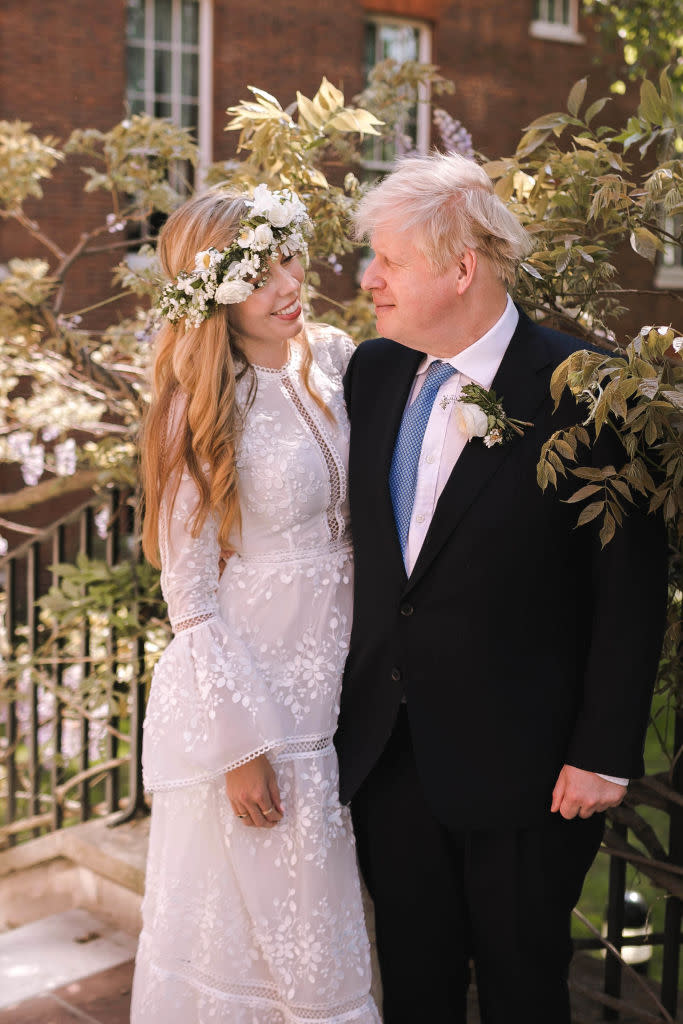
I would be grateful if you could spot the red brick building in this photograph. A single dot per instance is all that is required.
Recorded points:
(76, 63)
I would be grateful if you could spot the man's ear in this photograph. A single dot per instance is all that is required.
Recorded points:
(466, 267)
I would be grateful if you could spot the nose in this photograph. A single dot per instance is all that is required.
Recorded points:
(286, 276)
(371, 279)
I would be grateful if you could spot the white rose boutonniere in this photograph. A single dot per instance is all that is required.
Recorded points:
(472, 420)
(480, 414)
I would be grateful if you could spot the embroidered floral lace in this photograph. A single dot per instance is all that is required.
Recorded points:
(244, 925)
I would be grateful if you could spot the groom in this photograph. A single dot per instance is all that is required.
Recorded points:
(497, 688)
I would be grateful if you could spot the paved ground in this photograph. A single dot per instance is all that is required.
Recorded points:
(104, 998)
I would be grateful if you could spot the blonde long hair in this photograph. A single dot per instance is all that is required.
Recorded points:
(194, 420)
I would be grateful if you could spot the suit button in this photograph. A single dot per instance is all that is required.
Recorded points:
(407, 609)
(396, 675)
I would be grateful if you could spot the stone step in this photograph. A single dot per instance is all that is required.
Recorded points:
(56, 951)
(92, 866)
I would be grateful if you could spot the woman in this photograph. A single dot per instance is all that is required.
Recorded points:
(252, 911)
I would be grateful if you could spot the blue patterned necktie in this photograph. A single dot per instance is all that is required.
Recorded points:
(406, 457)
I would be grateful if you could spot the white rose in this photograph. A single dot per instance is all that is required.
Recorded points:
(472, 420)
(245, 237)
(281, 214)
(263, 201)
(263, 236)
(233, 291)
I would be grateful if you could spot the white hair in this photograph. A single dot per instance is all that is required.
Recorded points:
(449, 203)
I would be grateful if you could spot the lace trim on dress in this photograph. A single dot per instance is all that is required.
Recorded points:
(267, 997)
(197, 620)
(285, 750)
(304, 746)
(335, 520)
(328, 552)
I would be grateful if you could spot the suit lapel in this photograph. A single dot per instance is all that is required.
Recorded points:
(390, 399)
(522, 387)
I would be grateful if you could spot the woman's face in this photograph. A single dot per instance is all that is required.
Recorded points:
(265, 322)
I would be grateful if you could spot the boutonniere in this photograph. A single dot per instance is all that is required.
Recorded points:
(480, 414)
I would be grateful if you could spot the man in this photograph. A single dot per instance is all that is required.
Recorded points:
(496, 693)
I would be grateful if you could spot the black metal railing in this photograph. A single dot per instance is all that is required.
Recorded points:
(71, 701)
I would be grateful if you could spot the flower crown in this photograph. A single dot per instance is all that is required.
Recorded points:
(276, 222)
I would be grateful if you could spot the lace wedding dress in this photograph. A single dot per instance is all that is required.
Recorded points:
(245, 925)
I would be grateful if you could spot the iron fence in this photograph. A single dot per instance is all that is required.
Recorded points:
(71, 706)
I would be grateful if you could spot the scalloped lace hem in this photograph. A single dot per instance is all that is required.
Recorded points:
(292, 748)
(266, 997)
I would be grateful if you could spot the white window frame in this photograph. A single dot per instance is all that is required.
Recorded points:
(175, 98)
(669, 272)
(544, 28)
(424, 56)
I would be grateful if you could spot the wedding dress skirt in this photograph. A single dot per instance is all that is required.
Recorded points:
(244, 925)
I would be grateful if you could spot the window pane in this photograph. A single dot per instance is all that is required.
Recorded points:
(190, 74)
(537, 10)
(370, 46)
(550, 6)
(162, 20)
(188, 116)
(135, 22)
(565, 12)
(162, 109)
(399, 42)
(162, 71)
(190, 22)
(136, 106)
(135, 68)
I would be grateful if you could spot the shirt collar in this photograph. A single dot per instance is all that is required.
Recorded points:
(480, 360)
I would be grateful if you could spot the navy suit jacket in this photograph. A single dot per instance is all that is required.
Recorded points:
(518, 643)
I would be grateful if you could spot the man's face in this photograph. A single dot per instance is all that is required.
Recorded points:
(414, 305)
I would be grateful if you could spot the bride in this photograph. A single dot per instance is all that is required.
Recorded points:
(252, 911)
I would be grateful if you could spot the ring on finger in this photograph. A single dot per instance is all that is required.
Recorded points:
(269, 811)
(242, 815)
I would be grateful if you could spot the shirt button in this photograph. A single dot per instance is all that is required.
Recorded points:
(396, 675)
(430, 459)
(407, 609)
(419, 518)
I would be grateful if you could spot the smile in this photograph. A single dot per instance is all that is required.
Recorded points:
(289, 312)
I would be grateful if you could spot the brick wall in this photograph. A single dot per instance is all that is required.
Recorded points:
(62, 65)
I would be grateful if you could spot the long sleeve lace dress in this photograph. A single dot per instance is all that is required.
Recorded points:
(245, 925)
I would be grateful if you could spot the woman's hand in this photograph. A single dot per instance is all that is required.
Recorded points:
(253, 792)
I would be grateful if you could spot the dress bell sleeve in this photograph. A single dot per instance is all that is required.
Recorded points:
(209, 709)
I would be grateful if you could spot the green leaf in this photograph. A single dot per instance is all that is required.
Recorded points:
(307, 111)
(594, 473)
(650, 103)
(623, 489)
(608, 528)
(566, 450)
(590, 512)
(584, 492)
(530, 269)
(645, 243)
(576, 96)
(595, 108)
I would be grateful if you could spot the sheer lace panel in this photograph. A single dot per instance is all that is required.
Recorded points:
(305, 746)
(333, 517)
(196, 620)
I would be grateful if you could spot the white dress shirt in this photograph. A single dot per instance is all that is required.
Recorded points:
(444, 440)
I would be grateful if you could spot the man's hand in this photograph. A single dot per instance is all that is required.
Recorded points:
(253, 792)
(584, 793)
